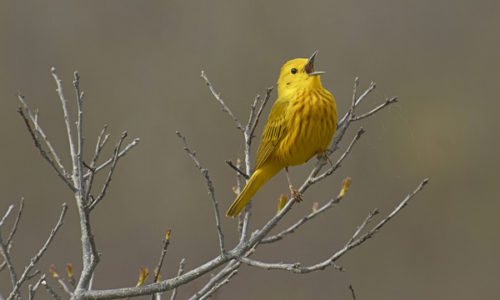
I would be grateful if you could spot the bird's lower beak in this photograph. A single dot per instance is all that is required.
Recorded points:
(309, 68)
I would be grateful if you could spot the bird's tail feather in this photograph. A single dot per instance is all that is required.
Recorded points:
(256, 181)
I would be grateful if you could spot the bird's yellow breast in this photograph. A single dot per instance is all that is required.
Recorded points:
(312, 121)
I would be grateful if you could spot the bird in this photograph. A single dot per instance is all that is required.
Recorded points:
(300, 125)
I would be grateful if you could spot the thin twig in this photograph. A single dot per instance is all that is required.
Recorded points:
(64, 105)
(252, 110)
(102, 138)
(5, 253)
(304, 219)
(219, 284)
(259, 112)
(109, 161)
(79, 131)
(376, 109)
(358, 101)
(208, 289)
(165, 243)
(32, 275)
(60, 172)
(211, 190)
(16, 222)
(179, 273)
(352, 292)
(365, 237)
(230, 163)
(354, 95)
(42, 250)
(313, 180)
(363, 225)
(51, 291)
(221, 102)
(110, 173)
(396, 210)
(64, 286)
(296, 268)
(6, 215)
(32, 289)
(39, 130)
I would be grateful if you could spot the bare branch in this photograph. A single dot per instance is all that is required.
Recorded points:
(60, 172)
(221, 102)
(304, 219)
(211, 189)
(363, 225)
(356, 103)
(5, 252)
(396, 210)
(9, 210)
(352, 292)
(368, 235)
(32, 275)
(39, 130)
(354, 95)
(101, 141)
(294, 267)
(16, 222)
(376, 109)
(230, 163)
(51, 291)
(79, 126)
(109, 161)
(64, 286)
(210, 287)
(341, 158)
(64, 105)
(219, 284)
(252, 111)
(33, 288)
(165, 243)
(40, 253)
(179, 273)
(254, 123)
(110, 173)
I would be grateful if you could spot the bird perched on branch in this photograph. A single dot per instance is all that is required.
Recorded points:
(300, 125)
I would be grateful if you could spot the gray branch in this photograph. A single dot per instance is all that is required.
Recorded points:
(39, 131)
(40, 253)
(179, 273)
(211, 285)
(211, 189)
(110, 173)
(221, 102)
(5, 252)
(109, 161)
(304, 219)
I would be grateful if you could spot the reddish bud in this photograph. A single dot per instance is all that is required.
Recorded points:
(315, 206)
(53, 272)
(143, 275)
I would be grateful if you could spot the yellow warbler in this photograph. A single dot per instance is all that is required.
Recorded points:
(300, 125)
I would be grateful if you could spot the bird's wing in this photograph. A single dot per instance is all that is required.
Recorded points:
(274, 131)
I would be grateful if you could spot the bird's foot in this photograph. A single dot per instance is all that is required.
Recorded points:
(295, 194)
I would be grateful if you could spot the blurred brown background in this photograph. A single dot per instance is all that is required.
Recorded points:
(140, 63)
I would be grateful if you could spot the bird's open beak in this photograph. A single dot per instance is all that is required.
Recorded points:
(309, 68)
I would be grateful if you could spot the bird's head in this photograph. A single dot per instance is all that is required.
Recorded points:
(299, 74)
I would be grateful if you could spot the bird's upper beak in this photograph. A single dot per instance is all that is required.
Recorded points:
(309, 68)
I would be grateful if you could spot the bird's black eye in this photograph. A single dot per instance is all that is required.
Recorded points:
(294, 71)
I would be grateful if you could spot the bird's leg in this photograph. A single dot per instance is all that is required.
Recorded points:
(325, 153)
(294, 192)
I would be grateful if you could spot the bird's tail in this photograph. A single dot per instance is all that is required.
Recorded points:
(256, 181)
